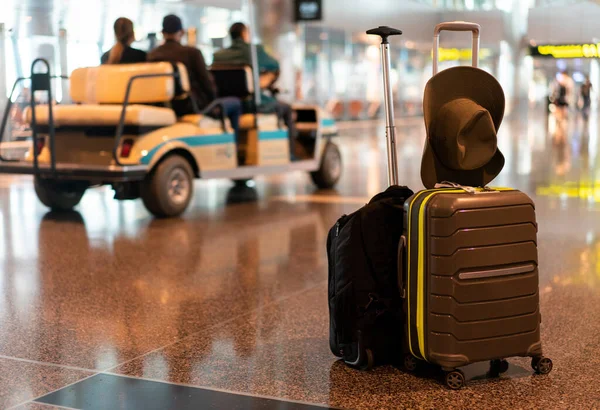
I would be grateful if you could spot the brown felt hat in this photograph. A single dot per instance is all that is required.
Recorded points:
(463, 108)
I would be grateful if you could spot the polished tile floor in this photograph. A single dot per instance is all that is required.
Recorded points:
(229, 301)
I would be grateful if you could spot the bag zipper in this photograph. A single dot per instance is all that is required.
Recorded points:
(338, 225)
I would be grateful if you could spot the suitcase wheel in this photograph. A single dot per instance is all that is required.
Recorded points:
(369, 362)
(541, 365)
(410, 362)
(455, 379)
(498, 366)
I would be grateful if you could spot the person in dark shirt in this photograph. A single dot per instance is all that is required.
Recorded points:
(585, 93)
(122, 52)
(203, 89)
(240, 54)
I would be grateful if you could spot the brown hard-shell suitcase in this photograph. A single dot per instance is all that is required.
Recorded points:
(470, 281)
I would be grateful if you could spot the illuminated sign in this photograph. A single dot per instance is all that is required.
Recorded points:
(308, 10)
(566, 51)
(461, 54)
(571, 190)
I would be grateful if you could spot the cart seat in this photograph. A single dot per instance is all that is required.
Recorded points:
(100, 94)
(237, 81)
(87, 115)
(203, 121)
(233, 80)
(107, 84)
(265, 121)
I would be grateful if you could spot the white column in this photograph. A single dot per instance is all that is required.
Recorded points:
(64, 67)
(3, 63)
(277, 32)
(299, 57)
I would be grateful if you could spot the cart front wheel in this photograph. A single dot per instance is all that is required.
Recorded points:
(331, 167)
(59, 195)
(168, 189)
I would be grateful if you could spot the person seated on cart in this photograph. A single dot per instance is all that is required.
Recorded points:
(240, 54)
(122, 52)
(203, 89)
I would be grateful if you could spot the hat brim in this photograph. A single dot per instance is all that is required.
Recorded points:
(434, 171)
(450, 84)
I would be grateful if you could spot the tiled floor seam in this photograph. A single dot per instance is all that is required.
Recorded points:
(37, 362)
(51, 406)
(219, 390)
(216, 325)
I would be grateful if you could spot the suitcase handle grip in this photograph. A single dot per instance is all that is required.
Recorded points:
(384, 32)
(456, 26)
(401, 250)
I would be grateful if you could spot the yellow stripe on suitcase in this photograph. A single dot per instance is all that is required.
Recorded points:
(421, 271)
(408, 252)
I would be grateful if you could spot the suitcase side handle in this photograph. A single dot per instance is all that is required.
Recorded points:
(401, 250)
(456, 26)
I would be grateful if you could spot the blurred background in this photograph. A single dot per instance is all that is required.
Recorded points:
(328, 60)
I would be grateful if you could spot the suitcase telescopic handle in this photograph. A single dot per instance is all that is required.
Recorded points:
(390, 127)
(456, 26)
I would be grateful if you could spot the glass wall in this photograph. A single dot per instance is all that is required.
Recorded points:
(73, 34)
(86, 38)
(343, 71)
(505, 5)
(340, 70)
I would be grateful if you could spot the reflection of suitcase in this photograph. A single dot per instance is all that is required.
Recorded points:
(471, 279)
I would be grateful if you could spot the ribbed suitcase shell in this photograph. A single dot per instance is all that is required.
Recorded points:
(477, 298)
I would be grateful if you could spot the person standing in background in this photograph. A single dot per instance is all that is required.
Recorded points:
(562, 94)
(585, 94)
(122, 52)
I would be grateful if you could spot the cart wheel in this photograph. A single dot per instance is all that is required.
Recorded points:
(168, 189)
(498, 366)
(410, 362)
(59, 195)
(369, 363)
(331, 167)
(455, 379)
(541, 365)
